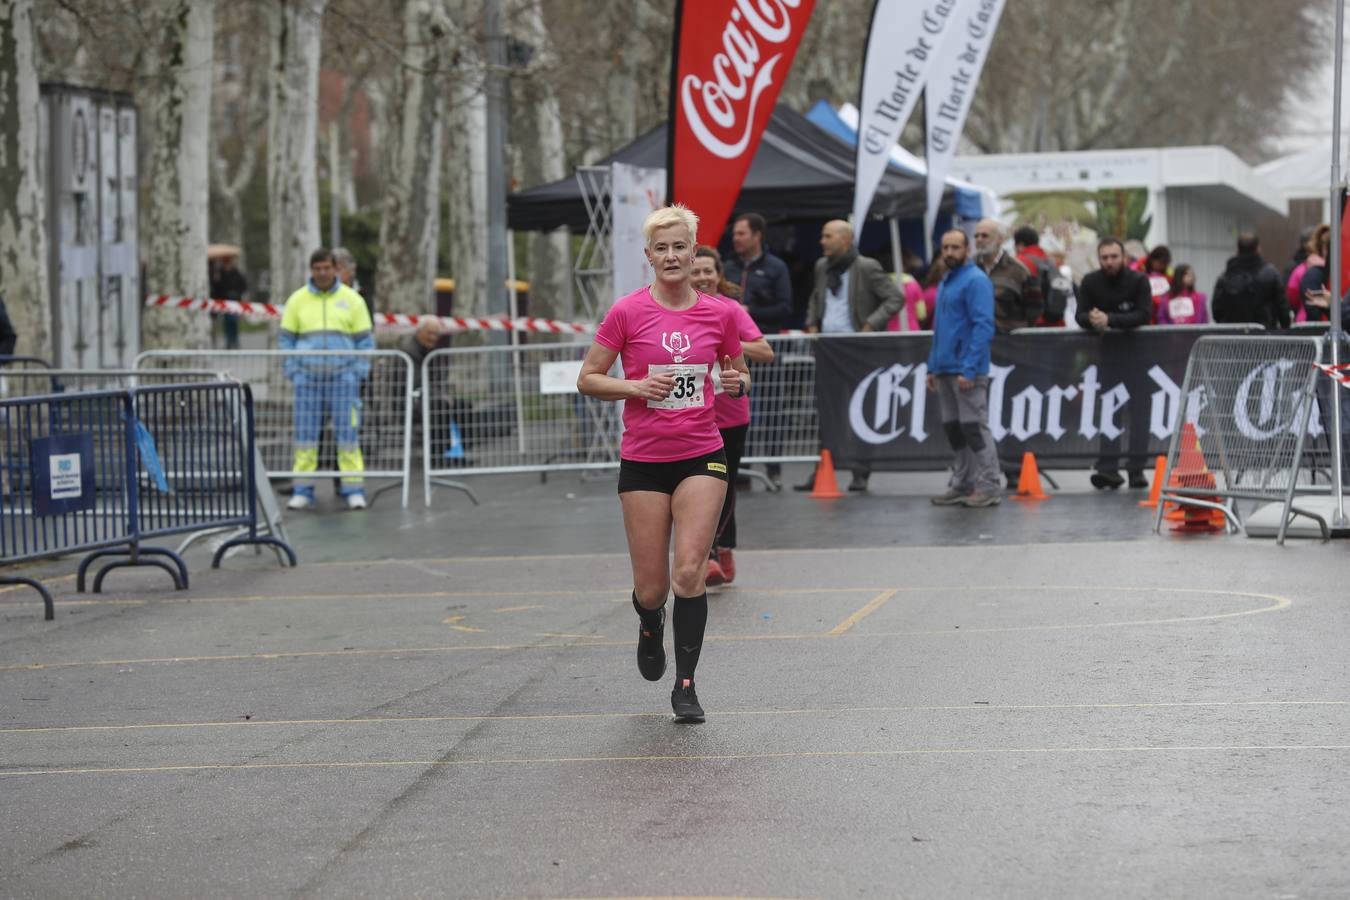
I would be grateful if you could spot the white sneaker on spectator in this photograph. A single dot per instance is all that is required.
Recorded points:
(300, 501)
(356, 501)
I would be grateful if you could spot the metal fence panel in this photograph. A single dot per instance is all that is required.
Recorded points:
(1249, 404)
(784, 424)
(35, 381)
(303, 396)
(489, 410)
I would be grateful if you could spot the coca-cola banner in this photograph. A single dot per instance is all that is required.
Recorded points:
(951, 88)
(1070, 398)
(730, 60)
(905, 40)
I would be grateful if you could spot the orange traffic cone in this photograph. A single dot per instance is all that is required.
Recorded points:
(1192, 472)
(1159, 479)
(826, 487)
(1029, 482)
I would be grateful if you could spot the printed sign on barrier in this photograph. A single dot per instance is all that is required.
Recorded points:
(63, 473)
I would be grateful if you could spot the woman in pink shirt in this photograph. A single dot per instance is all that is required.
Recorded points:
(1183, 305)
(733, 413)
(676, 344)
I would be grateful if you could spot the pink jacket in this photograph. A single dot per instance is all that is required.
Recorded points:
(913, 297)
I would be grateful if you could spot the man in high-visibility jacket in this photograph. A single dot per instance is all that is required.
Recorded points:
(325, 314)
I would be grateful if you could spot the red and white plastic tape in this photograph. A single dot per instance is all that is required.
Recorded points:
(1339, 374)
(382, 320)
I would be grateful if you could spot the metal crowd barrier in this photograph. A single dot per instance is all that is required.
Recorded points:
(1249, 402)
(32, 382)
(329, 384)
(494, 410)
(99, 472)
(784, 423)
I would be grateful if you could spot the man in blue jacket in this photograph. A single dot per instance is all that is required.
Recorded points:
(958, 371)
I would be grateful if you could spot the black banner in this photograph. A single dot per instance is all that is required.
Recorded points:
(1069, 397)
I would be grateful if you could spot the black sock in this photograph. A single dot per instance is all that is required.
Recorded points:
(690, 618)
(651, 618)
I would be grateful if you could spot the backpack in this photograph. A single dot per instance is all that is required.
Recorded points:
(1055, 290)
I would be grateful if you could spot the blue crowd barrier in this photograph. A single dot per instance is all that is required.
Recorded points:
(101, 472)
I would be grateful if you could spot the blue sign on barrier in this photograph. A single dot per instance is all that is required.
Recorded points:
(63, 473)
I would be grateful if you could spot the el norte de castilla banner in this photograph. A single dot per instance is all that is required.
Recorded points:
(1070, 398)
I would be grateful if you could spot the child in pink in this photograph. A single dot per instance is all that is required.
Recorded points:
(1183, 305)
(689, 344)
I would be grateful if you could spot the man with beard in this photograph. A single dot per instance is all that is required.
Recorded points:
(958, 372)
(1017, 292)
(1117, 299)
(852, 293)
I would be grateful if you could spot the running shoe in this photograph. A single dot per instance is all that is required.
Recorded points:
(684, 700)
(356, 501)
(300, 501)
(727, 562)
(651, 651)
(977, 499)
(952, 497)
(715, 574)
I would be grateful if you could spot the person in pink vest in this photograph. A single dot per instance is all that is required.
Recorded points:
(1183, 305)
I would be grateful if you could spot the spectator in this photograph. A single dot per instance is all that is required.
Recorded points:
(1314, 284)
(228, 283)
(1116, 298)
(9, 338)
(346, 272)
(1155, 269)
(325, 314)
(1017, 291)
(1183, 304)
(1055, 289)
(1307, 255)
(913, 294)
(958, 371)
(1249, 290)
(766, 293)
(419, 344)
(852, 293)
(931, 283)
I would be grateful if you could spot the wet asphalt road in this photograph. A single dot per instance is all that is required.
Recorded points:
(1022, 702)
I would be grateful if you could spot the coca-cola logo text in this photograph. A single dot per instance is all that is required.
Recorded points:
(721, 110)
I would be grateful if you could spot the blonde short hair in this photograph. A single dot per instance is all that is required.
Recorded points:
(669, 217)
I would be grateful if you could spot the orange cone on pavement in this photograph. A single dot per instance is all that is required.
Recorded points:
(1029, 482)
(826, 487)
(1159, 479)
(1192, 472)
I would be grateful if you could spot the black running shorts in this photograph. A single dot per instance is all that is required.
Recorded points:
(665, 477)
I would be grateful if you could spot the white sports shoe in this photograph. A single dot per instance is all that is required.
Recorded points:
(300, 501)
(356, 501)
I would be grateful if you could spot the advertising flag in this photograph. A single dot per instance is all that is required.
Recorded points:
(951, 88)
(730, 60)
(905, 40)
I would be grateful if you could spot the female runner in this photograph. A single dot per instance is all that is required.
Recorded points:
(674, 344)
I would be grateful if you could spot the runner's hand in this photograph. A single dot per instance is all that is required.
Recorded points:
(731, 378)
(655, 387)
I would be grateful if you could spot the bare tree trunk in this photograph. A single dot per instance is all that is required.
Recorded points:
(542, 158)
(467, 133)
(23, 235)
(410, 219)
(292, 124)
(176, 222)
(23, 238)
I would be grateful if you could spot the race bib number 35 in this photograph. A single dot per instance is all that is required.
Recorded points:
(688, 389)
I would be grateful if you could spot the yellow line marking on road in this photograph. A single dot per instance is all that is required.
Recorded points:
(536, 717)
(507, 609)
(872, 606)
(1276, 603)
(700, 757)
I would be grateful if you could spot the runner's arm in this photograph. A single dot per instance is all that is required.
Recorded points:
(595, 380)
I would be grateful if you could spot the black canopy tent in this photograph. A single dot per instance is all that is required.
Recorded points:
(800, 171)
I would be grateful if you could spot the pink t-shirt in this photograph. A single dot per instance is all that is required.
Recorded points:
(734, 411)
(690, 343)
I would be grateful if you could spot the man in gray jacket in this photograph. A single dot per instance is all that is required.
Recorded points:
(851, 293)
